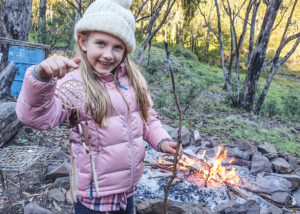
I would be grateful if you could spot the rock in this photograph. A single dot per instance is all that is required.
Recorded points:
(294, 179)
(9, 123)
(57, 195)
(272, 209)
(260, 164)
(62, 183)
(60, 156)
(247, 146)
(214, 141)
(293, 161)
(7, 76)
(197, 138)
(280, 197)
(232, 207)
(156, 207)
(269, 150)
(250, 123)
(34, 208)
(280, 165)
(206, 144)
(269, 184)
(231, 118)
(60, 171)
(296, 196)
(185, 136)
(237, 153)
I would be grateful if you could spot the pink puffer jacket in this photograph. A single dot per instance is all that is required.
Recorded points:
(117, 149)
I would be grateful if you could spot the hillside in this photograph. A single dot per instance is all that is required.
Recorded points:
(207, 108)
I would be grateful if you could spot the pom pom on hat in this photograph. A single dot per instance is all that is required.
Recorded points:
(124, 3)
(110, 16)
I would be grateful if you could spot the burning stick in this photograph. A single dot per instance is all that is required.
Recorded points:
(207, 177)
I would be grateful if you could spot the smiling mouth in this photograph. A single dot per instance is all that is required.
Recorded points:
(106, 63)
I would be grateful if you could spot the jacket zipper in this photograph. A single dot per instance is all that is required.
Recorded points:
(129, 133)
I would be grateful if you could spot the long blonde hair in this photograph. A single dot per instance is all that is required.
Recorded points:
(98, 100)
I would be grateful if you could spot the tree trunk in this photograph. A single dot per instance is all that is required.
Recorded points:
(247, 96)
(42, 21)
(14, 24)
(151, 33)
(15, 19)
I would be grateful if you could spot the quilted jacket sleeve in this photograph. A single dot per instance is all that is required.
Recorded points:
(37, 105)
(153, 131)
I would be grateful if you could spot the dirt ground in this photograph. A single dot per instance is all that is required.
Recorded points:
(34, 187)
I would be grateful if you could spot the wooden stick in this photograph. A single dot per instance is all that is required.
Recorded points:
(179, 129)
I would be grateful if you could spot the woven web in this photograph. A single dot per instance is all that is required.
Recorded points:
(72, 94)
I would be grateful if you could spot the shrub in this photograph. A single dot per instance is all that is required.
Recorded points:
(271, 108)
(291, 105)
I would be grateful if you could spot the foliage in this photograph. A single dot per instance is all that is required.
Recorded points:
(291, 103)
(272, 108)
(59, 26)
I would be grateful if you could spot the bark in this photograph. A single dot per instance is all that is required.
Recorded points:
(150, 32)
(276, 62)
(7, 76)
(15, 19)
(252, 29)
(247, 95)
(14, 24)
(42, 20)
(179, 141)
(140, 10)
(219, 37)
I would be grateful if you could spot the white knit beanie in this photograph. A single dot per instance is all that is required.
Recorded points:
(110, 16)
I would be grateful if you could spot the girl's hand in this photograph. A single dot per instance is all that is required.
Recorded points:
(56, 66)
(170, 147)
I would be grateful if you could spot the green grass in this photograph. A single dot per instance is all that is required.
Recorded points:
(211, 105)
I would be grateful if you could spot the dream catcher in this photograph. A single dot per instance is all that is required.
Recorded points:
(73, 96)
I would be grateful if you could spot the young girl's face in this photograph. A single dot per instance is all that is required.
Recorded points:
(104, 51)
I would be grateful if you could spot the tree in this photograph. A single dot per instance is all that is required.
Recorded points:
(155, 12)
(15, 19)
(256, 50)
(14, 23)
(42, 21)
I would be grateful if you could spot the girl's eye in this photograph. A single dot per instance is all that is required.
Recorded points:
(101, 44)
(118, 47)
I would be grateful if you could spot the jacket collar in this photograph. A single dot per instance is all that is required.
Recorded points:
(109, 77)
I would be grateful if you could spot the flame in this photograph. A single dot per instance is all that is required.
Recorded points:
(207, 173)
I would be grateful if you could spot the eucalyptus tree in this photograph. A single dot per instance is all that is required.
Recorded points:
(156, 11)
(14, 23)
(244, 96)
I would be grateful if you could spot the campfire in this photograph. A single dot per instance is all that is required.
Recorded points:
(219, 175)
(202, 171)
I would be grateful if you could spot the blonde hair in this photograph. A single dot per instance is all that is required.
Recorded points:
(98, 100)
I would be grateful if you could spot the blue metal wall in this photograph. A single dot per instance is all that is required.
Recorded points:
(24, 57)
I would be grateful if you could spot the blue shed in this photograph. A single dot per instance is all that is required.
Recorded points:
(24, 55)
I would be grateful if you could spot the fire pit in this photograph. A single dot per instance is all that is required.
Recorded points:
(213, 177)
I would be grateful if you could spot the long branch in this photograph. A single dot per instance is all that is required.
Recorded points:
(179, 130)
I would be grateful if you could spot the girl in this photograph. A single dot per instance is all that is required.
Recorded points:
(117, 116)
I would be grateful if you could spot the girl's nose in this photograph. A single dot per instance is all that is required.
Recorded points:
(108, 54)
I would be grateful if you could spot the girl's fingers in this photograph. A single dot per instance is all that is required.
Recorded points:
(54, 67)
(77, 60)
(72, 63)
(62, 67)
(44, 70)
